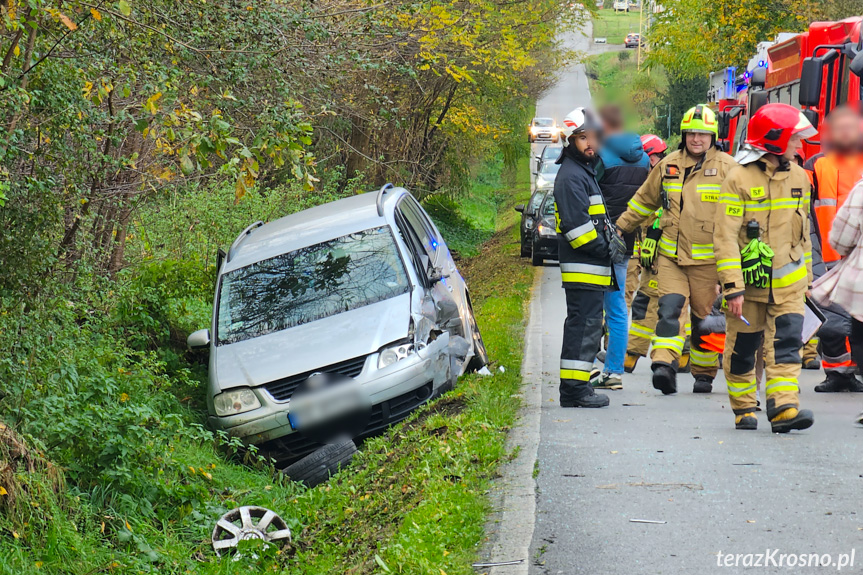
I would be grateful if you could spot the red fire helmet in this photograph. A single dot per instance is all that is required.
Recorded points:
(772, 126)
(653, 144)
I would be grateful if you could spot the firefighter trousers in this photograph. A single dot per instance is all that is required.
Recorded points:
(645, 307)
(834, 342)
(582, 332)
(778, 327)
(633, 272)
(679, 286)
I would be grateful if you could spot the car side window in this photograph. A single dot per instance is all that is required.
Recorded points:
(421, 227)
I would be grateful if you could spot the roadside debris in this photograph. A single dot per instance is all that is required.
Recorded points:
(653, 521)
(484, 371)
(249, 523)
(498, 563)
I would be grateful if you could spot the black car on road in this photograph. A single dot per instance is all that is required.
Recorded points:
(543, 245)
(529, 213)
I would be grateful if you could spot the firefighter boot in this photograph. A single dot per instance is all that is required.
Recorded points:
(703, 384)
(590, 400)
(836, 382)
(629, 362)
(792, 418)
(683, 365)
(746, 421)
(664, 378)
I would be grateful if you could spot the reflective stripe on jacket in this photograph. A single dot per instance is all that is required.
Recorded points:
(778, 199)
(832, 176)
(691, 186)
(579, 214)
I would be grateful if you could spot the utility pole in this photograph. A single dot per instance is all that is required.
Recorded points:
(640, 29)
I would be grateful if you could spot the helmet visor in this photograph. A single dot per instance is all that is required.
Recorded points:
(804, 128)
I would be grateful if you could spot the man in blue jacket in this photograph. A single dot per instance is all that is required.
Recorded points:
(585, 261)
(623, 169)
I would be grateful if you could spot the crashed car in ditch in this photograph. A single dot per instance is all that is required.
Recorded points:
(363, 288)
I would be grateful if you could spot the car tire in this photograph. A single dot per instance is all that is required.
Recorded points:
(480, 355)
(536, 259)
(318, 466)
(525, 250)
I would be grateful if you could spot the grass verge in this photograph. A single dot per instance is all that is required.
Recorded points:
(412, 502)
(615, 25)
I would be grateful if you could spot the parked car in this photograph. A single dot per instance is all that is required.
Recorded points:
(549, 153)
(528, 219)
(632, 40)
(546, 174)
(544, 237)
(543, 129)
(363, 288)
(621, 5)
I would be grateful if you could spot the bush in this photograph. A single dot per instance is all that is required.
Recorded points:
(623, 56)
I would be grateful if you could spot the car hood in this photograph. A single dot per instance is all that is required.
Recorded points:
(312, 345)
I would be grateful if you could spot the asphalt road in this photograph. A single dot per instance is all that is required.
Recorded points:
(679, 460)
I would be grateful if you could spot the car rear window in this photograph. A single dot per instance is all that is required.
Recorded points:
(310, 284)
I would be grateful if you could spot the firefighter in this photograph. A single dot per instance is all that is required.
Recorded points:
(585, 260)
(686, 186)
(764, 263)
(645, 303)
(833, 174)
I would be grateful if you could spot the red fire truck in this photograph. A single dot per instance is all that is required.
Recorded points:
(814, 71)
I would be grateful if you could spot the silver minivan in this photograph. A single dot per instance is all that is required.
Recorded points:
(363, 288)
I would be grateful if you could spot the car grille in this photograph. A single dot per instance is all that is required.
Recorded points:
(283, 389)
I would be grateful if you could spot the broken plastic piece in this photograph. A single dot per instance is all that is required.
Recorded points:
(484, 371)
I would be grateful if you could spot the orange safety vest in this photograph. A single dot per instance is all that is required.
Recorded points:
(832, 177)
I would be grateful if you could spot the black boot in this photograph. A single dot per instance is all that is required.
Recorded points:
(664, 378)
(837, 382)
(592, 400)
(703, 384)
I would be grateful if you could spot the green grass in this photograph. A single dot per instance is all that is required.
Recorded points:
(615, 26)
(412, 502)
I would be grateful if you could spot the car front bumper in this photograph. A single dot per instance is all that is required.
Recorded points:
(416, 377)
(545, 246)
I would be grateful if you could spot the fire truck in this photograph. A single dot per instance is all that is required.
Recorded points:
(815, 71)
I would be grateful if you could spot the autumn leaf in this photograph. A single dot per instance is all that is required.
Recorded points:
(124, 8)
(67, 21)
(3, 491)
(97, 16)
(150, 104)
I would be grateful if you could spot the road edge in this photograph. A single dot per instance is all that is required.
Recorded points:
(510, 529)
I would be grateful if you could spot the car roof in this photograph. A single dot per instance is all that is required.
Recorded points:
(312, 226)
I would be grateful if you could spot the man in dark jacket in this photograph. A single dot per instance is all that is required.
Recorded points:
(622, 170)
(585, 261)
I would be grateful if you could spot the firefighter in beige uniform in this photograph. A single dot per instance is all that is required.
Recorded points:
(686, 185)
(765, 266)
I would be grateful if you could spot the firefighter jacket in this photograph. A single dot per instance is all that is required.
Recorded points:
(579, 212)
(687, 188)
(832, 176)
(777, 198)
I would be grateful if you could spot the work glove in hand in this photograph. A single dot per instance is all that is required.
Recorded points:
(649, 246)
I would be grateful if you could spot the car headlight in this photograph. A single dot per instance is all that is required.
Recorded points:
(236, 401)
(394, 354)
(546, 231)
(541, 182)
(533, 130)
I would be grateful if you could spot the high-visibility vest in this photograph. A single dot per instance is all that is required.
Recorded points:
(832, 177)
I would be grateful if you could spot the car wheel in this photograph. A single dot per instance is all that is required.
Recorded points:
(480, 355)
(535, 258)
(317, 467)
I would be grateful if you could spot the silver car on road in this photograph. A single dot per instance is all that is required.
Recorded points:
(364, 288)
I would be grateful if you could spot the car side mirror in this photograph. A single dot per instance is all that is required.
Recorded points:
(857, 65)
(534, 173)
(199, 339)
(519, 208)
(810, 82)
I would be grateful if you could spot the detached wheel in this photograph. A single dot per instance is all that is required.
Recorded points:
(480, 355)
(317, 467)
(247, 522)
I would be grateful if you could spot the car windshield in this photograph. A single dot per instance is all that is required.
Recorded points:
(536, 200)
(309, 284)
(543, 122)
(548, 206)
(549, 168)
(551, 152)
